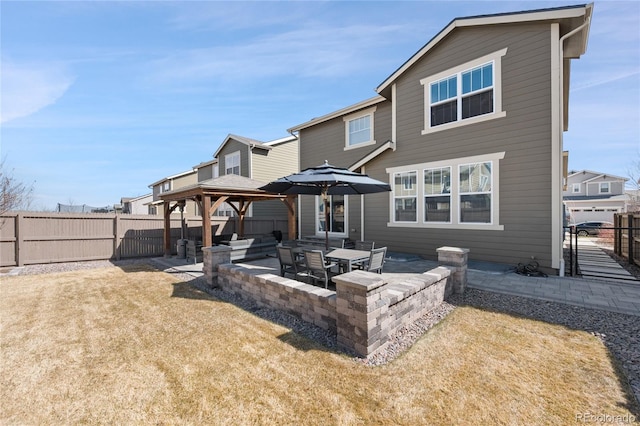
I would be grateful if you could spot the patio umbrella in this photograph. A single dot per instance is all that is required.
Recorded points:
(326, 180)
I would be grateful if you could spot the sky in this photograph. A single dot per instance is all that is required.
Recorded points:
(98, 100)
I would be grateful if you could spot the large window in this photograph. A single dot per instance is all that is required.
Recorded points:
(359, 129)
(458, 193)
(437, 195)
(465, 94)
(475, 193)
(405, 196)
(232, 163)
(337, 215)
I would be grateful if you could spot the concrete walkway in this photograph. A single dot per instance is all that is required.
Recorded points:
(594, 263)
(615, 296)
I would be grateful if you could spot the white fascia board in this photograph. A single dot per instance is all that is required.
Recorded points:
(606, 175)
(247, 141)
(508, 18)
(344, 111)
(281, 140)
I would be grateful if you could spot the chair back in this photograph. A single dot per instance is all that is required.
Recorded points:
(364, 245)
(376, 260)
(315, 260)
(285, 254)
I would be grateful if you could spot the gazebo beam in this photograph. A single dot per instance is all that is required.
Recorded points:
(207, 238)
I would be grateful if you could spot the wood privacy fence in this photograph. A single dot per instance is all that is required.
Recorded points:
(626, 241)
(28, 238)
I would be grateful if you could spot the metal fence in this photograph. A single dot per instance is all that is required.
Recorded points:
(626, 240)
(33, 237)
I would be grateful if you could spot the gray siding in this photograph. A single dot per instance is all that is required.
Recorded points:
(229, 148)
(524, 134)
(205, 173)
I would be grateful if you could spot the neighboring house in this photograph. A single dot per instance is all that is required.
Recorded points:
(593, 196)
(260, 161)
(237, 155)
(468, 132)
(136, 205)
(171, 183)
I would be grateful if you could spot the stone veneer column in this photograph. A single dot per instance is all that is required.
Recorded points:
(455, 259)
(211, 258)
(359, 309)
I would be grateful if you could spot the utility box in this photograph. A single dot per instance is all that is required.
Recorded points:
(182, 249)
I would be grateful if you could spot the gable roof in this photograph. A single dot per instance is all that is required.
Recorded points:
(568, 15)
(597, 175)
(251, 143)
(172, 177)
(344, 111)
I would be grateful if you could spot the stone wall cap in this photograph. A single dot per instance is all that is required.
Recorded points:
(360, 279)
(453, 249)
(216, 248)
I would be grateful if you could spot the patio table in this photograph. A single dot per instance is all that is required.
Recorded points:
(348, 257)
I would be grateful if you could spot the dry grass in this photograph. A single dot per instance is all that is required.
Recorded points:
(135, 346)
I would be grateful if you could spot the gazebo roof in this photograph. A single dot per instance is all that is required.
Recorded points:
(233, 186)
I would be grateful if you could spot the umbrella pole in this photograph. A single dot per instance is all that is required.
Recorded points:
(326, 219)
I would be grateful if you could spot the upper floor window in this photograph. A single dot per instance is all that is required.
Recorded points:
(232, 163)
(469, 93)
(166, 186)
(215, 172)
(575, 188)
(359, 129)
(605, 188)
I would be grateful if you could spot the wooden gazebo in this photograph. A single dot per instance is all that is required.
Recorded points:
(210, 195)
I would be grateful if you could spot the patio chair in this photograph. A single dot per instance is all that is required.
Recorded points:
(288, 262)
(375, 262)
(364, 245)
(317, 268)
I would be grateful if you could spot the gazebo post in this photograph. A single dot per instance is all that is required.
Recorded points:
(290, 202)
(167, 229)
(207, 240)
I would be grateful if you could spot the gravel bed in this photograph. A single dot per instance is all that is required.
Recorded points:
(620, 333)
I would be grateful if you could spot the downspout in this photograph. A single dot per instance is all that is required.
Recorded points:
(560, 118)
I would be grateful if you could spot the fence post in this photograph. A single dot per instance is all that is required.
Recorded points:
(571, 228)
(19, 240)
(630, 223)
(116, 236)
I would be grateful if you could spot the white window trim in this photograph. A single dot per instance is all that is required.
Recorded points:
(215, 171)
(226, 162)
(318, 199)
(424, 196)
(455, 223)
(498, 112)
(416, 196)
(355, 116)
(600, 191)
(575, 188)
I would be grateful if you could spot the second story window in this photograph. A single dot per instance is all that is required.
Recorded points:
(359, 129)
(575, 188)
(469, 93)
(232, 163)
(166, 186)
(605, 188)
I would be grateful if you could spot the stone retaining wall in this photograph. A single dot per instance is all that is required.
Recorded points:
(366, 308)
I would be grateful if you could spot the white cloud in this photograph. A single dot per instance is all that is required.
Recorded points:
(309, 52)
(26, 89)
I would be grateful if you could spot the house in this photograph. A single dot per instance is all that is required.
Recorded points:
(136, 205)
(260, 161)
(171, 183)
(468, 133)
(594, 196)
(229, 185)
(236, 155)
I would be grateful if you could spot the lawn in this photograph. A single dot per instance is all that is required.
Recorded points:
(135, 345)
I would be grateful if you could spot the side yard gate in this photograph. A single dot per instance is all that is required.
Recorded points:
(626, 241)
(33, 237)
